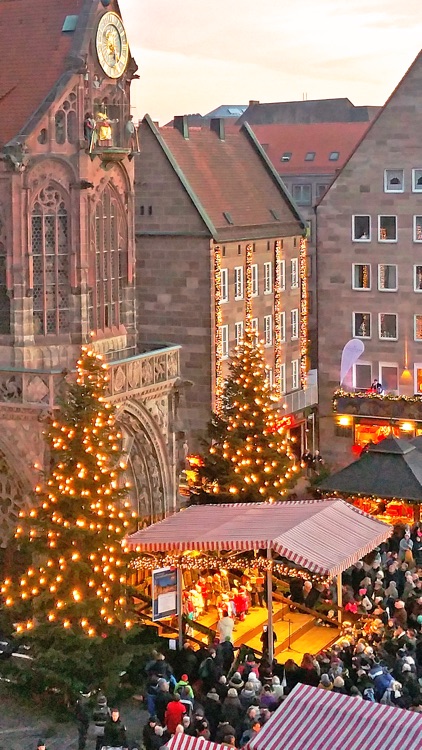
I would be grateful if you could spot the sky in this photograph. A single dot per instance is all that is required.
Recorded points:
(194, 55)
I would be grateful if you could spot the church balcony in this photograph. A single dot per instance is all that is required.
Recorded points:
(149, 372)
(111, 155)
(388, 406)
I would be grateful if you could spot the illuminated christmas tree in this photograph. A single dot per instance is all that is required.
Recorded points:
(249, 458)
(74, 533)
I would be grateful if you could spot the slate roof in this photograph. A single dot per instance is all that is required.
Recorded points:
(312, 110)
(321, 139)
(33, 49)
(231, 181)
(389, 469)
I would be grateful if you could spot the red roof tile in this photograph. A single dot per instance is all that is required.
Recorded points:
(320, 138)
(33, 49)
(228, 176)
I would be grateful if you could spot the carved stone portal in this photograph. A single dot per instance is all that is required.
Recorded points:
(12, 499)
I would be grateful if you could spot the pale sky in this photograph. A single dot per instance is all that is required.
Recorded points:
(194, 55)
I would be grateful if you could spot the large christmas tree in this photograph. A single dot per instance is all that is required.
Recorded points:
(74, 532)
(249, 458)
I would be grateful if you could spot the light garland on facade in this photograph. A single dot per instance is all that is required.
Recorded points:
(248, 274)
(218, 354)
(277, 317)
(340, 393)
(303, 310)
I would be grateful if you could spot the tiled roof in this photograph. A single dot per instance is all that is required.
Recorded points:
(232, 181)
(33, 51)
(321, 139)
(308, 111)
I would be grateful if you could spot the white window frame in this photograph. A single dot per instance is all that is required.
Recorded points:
(282, 272)
(283, 378)
(416, 188)
(255, 330)
(269, 374)
(295, 375)
(238, 282)
(294, 324)
(380, 288)
(268, 330)
(282, 327)
(361, 239)
(389, 364)
(255, 280)
(415, 216)
(417, 265)
(359, 312)
(294, 273)
(224, 341)
(416, 315)
(361, 288)
(355, 366)
(224, 285)
(238, 332)
(268, 277)
(389, 216)
(389, 190)
(388, 338)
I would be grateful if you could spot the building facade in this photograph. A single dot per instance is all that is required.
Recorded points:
(220, 243)
(369, 235)
(67, 249)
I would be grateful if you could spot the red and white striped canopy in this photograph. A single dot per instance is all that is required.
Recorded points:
(324, 536)
(184, 742)
(315, 719)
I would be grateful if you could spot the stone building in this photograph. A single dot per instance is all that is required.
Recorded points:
(219, 242)
(369, 235)
(67, 250)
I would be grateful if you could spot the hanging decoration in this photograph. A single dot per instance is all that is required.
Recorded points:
(303, 310)
(278, 246)
(218, 323)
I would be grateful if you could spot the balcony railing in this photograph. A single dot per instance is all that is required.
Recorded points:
(364, 404)
(299, 400)
(42, 389)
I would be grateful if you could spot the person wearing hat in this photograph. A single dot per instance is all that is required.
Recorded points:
(400, 614)
(99, 717)
(174, 713)
(183, 686)
(232, 708)
(325, 682)
(212, 708)
(41, 745)
(236, 681)
(148, 732)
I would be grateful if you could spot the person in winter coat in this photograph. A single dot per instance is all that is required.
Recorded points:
(225, 627)
(115, 730)
(184, 683)
(223, 729)
(160, 738)
(174, 713)
(247, 696)
(225, 654)
(212, 708)
(162, 700)
(267, 698)
(149, 732)
(99, 717)
(232, 708)
(82, 713)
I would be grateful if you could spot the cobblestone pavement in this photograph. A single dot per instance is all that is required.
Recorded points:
(22, 724)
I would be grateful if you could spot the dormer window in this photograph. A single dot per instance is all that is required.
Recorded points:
(393, 181)
(286, 156)
(310, 156)
(334, 156)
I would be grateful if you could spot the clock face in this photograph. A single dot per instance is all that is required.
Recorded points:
(112, 46)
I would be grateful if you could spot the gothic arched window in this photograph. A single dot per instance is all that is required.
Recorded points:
(110, 260)
(50, 251)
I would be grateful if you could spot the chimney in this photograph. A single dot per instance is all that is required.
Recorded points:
(252, 102)
(217, 126)
(180, 123)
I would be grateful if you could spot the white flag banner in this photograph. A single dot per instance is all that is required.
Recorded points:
(350, 355)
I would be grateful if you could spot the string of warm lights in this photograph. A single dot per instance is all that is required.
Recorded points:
(248, 287)
(277, 317)
(77, 528)
(303, 334)
(340, 393)
(218, 323)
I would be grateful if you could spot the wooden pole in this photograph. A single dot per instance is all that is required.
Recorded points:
(339, 598)
(270, 607)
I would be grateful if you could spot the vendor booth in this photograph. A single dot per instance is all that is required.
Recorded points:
(311, 718)
(319, 538)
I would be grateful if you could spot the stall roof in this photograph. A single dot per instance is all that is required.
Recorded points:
(389, 469)
(324, 536)
(185, 742)
(311, 718)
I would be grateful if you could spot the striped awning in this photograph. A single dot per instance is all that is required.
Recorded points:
(184, 742)
(324, 536)
(315, 719)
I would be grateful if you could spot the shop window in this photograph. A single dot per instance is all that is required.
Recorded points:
(418, 327)
(387, 324)
(294, 273)
(362, 325)
(417, 180)
(389, 377)
(302, 194)
(387, 277)
(418, 379)
(368, 431)
(362, 376)
(393, 181)
(417, 229)
(361, 276)
(387, 228)
(361, 228)
(417, 278)
(224, 285)
(255, 280)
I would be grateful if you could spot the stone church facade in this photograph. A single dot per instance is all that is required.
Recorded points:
(67, 263)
